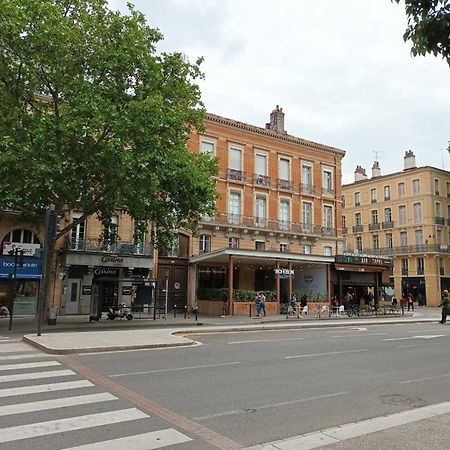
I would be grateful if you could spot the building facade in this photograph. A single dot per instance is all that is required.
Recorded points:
(277, 226)
(404, 215)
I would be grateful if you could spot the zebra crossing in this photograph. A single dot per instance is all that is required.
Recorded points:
(42, 402)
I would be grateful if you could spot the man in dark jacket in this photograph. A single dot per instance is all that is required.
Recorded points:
(445, 303)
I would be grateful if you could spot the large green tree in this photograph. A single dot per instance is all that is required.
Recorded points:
(428, 27)
(93, 118)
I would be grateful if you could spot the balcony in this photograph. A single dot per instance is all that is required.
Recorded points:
(439, 220)
(261, 180)
(328, 192)
(284, 185)
(307, 189)
(236, 175)
(118, 247)
(265, 224)
(420, 271)
(374, 226)
(357, 229)
(386, 199)
(388, 224)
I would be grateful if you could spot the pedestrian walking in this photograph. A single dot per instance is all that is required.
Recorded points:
(258, 304)
(292, 305)
(262, 298)
(445, 303)
(410, 302)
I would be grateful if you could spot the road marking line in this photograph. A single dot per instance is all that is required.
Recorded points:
(42, 405)
(435, 377)
(205, 366)
(51, 387)
(352, 430)
(257, 341)
(422, 331)
(328, 353)
(30, 365)
(146, 441)
(415, 337)
(36, 375)
(358, 335)
(270, 405)
(26, 356)
(14, 348)
(31, 430)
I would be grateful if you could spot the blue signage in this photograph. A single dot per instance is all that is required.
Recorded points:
(30, 269)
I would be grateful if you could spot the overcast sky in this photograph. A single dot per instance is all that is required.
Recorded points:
(339, 69)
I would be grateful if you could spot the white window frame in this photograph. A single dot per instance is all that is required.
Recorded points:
(307, 174)
(260, 154)
(282, 167)
(207, 146)
(417, 208)
(204, 243)
(327, 179)
(234, 208)
(328, 216)
(401, 189)
(402, 215)
(232, 164)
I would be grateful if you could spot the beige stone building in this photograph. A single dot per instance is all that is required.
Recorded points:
(279, 211)
(405, 215)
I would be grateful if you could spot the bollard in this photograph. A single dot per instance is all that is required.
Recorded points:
(185, 311)
(174, 310)
(250, 310)
(196, 311)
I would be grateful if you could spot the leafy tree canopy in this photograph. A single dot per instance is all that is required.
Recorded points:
(92, 118)
(428, 27)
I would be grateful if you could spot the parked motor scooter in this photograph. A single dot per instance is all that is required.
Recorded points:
(119, 312)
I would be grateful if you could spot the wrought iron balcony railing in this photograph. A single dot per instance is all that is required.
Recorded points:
(388, 224)
(307, 189)
(285, 185)
(262, 223)
(344, 230)
(405, 272)
(261, 180)
(117, 247)
(409, 249)
(236, 175)
(327, 191)
(374, 226)
(439, 220)
(357, 228)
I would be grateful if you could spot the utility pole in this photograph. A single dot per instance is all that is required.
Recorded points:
(18, 262)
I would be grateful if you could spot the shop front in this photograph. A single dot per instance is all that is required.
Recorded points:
(21, 278)
(364, 277)
(94, 282)
(235, 276)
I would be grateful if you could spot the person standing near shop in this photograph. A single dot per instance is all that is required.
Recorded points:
(262, 299)
(445, 303)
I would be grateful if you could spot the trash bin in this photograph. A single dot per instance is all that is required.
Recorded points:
(52, 313)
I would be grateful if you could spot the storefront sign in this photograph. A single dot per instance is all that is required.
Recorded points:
(27, 249)
(112, 259)
(86, 290)
(30, 269)
(284, 273)
(357, 259)
(104, 272)
(126, 290)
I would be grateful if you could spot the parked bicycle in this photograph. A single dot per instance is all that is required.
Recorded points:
(352, 310)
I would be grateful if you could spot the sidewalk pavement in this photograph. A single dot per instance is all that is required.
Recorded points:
(75, 334)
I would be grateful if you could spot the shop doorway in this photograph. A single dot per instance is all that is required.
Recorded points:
(108, 294)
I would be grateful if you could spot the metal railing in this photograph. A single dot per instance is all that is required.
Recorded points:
(357, 228)
(307, 189)
(374, 226)
(285, 185)
(410, 249)
(388, 224)
(439, 220)
(327, 191)
(262, 180)
(236, 175)
(259, 223)
(118, 247)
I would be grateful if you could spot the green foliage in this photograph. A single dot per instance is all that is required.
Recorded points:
(93, 119)
(428, 27)
(239, 295)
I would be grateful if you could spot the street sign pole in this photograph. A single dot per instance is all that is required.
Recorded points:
(42, 286)
(14, 285)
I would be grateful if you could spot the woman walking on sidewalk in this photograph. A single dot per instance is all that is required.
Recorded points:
(445, 303)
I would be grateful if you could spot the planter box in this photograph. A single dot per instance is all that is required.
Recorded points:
(215, 308)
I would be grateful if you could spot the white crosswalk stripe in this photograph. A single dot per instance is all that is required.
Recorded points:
(36, 371)
(38, 388)
(145, 441)
(69, 424)
(31, 365)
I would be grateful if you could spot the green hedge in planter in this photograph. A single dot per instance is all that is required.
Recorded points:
(239, 295)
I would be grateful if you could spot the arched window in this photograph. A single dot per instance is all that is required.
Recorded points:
(29, 240)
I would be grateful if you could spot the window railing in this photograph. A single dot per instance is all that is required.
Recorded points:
(439, 220)
(374, 226)
(387, 197)
(261, 180)
(420, 271)
(262, 223)
(373, 200)
(357, 229)
(285, 185)
(307, 189)
(327, 191)
(388, 224)
(236, 175)
(404, 271)
(344, 230)
(117, 247)
(357, 203)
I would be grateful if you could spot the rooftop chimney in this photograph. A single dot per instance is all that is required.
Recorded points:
(376, 171)
(410, 160)
(276, 120)
(360, 174)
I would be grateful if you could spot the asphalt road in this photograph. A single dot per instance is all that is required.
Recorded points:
(242, 389)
